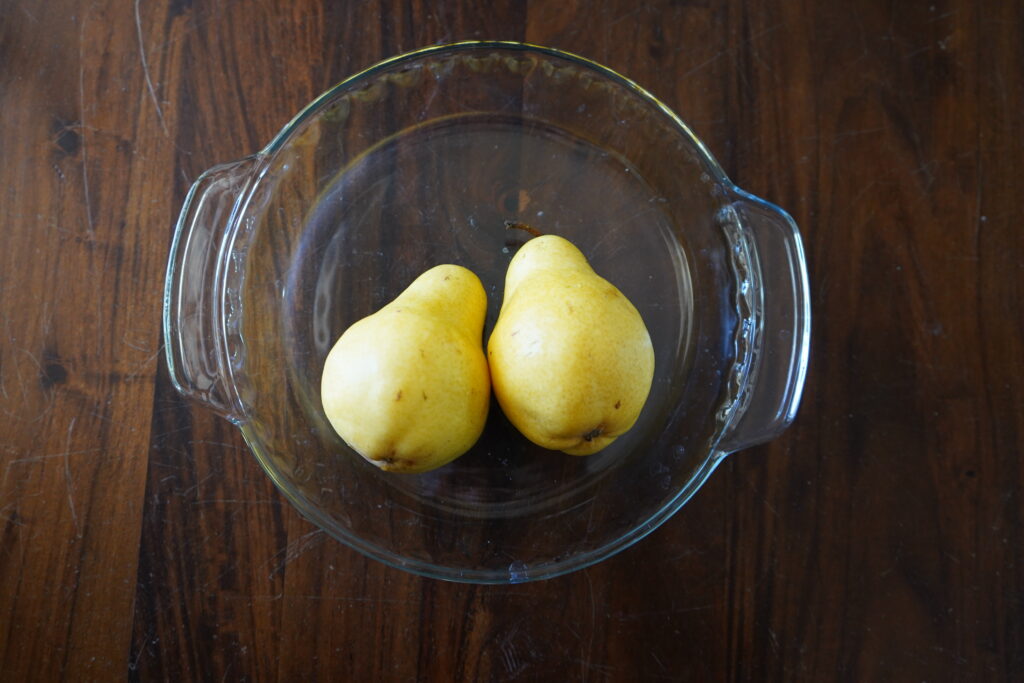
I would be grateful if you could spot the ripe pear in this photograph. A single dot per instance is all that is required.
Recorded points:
(571, 359)
(408, 387)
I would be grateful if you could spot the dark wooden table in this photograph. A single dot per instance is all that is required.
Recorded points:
(880, 538)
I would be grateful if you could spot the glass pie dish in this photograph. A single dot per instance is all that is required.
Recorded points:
(421, 160)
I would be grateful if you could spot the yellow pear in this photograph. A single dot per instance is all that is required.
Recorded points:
(571, 359)
(408, 387)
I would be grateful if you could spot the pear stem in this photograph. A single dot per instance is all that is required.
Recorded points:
(512, 225)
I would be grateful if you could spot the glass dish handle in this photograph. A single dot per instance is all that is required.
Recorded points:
(194, 336)
(780, 353)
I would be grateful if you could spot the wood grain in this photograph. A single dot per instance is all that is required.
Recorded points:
(878, 539)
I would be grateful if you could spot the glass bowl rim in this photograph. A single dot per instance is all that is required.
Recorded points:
(325, 97)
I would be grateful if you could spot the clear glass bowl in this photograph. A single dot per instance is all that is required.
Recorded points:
(418, 161)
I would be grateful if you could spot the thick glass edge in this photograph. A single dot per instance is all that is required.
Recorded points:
(170, 277)
(255, 169)
(482, 577)
(467, 45)
(802, 303)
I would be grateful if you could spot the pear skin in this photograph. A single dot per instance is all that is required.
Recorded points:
(570, 357)
(408, 387)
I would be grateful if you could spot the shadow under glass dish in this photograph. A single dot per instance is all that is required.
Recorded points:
(421, 161)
